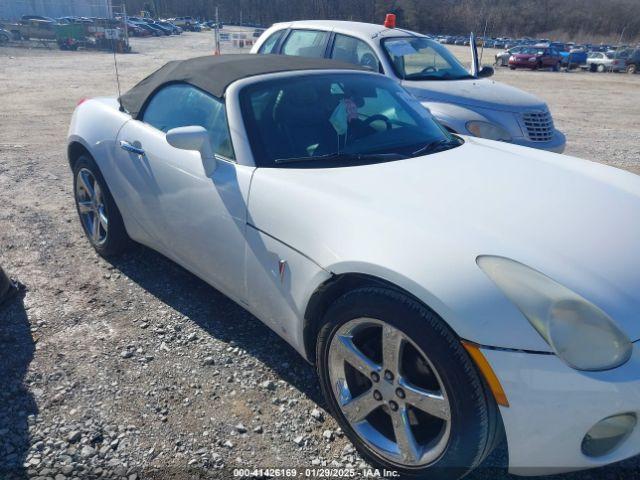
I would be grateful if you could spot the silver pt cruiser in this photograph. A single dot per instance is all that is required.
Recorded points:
(466, 103)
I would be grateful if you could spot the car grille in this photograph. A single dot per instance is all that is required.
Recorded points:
(539, 125)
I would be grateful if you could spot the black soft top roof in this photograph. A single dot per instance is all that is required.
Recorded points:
(214, 73)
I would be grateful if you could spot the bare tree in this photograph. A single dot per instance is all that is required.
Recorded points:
(568, 19)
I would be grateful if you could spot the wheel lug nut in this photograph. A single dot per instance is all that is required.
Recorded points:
(377, 395)
(400, 393)
(375, 377)
(388, 375)
(393, 405)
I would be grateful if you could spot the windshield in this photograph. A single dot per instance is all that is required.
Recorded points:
(532, 51)
(338, 119)
(418, 58)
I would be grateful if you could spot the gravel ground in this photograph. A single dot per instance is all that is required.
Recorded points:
(135, 368)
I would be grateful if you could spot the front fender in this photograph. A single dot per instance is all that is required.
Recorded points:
(462, 295)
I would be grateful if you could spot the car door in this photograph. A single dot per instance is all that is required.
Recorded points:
(191, 214)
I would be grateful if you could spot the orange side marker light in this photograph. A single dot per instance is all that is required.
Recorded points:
(487, 372)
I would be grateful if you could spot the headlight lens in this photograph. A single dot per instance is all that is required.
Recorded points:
(580, 333)
(488, 130)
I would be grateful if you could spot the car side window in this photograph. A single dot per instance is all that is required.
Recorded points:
(182, 105)
(351, 50)
(272, 42)
(306, 43)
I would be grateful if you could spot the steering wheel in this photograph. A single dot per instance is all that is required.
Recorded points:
(428, 69)
(374, 118)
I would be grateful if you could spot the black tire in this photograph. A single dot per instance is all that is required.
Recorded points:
(511, 68)
(632, 68)
(475, 421)
(601, 68)
(117, 240)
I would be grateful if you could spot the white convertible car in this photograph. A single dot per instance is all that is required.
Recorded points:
(450, 290)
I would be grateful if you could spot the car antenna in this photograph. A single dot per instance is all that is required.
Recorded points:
(484, 39)
(114, 44)
(115, 64)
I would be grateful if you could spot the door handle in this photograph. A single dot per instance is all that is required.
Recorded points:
(130, 148)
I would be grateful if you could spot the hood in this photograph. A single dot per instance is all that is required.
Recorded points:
(576, 221)
(480, 93)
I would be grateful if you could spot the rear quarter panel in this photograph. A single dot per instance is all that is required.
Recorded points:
(95, 125)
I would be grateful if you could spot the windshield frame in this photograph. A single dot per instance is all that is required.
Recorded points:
(251, 144)
(437, 47)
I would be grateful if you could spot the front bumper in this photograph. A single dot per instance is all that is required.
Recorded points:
(557, 143)
(553, 406)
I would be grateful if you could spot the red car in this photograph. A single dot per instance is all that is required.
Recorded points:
(536, 57)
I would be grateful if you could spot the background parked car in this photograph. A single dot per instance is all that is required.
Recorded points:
(502, 58)
(156, 32)
(574, 58)
(135, 30)
(175, 30)
(633, 62)
(5, 36)
(187, 23)
(32, 27)
(463, 101)
(605, 62)
(535, 58)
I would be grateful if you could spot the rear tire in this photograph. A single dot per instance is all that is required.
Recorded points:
(98, 212)
(632, 69)
(430, 352)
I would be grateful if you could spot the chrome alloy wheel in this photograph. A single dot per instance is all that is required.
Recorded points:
(389, 392)
(91, 207)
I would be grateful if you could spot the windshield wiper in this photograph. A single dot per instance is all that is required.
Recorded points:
(436, 146)
(349, 157)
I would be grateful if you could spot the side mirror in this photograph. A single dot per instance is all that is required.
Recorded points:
(194, 138)
(485, 71)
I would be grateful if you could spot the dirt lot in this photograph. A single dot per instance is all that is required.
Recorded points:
(135, 366)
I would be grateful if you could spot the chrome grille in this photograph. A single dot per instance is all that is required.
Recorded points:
(539, 125)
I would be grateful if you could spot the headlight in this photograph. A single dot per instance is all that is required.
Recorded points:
(580, 333)
(488, 130)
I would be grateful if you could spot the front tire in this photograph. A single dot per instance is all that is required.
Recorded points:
(98, 213)
(631, 69)
(403, 388)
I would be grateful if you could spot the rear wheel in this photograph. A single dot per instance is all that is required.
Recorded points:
(632, 68)
(99, 215)
(402, 386)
